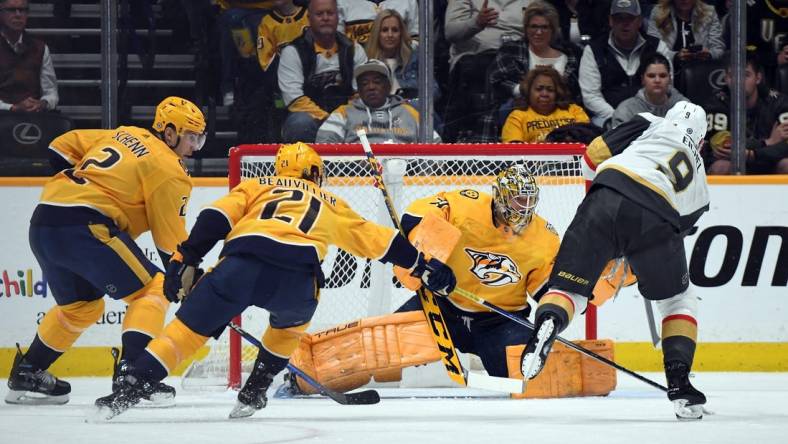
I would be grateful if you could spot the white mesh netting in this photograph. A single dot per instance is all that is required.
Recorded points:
(357, 287)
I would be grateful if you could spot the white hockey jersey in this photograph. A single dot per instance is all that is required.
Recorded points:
(356, 16)
(655, 162)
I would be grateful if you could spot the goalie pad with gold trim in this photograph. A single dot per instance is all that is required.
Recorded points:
(567, 373)
(349, 355)
(616, 275)
(436, 238)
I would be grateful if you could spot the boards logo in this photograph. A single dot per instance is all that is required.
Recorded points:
(494, 270)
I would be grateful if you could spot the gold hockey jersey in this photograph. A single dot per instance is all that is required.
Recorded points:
(277, 30)
(73, 145)
(491, 261)
(293, 221)
(129, 175)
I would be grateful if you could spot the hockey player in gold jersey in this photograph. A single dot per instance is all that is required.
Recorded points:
(124, 182)
(276, 231)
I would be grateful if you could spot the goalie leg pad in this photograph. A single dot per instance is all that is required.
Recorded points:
(63, 324)
(348, 356)
(567, 373)
(146, 308)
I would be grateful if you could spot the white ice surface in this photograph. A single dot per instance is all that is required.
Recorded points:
(749, 407)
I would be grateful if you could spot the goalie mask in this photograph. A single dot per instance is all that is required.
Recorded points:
(299, 160)
(515, 195)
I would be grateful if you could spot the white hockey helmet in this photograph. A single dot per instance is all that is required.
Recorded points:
(690, 118)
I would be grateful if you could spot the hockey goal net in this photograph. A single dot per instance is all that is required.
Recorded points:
(357, 287)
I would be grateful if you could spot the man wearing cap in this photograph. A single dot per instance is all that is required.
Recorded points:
(315, 72)
(386, 118)
(609, 64)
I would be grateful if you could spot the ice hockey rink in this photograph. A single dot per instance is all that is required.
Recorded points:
(747, 407)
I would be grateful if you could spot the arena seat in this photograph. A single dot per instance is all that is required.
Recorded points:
(699, 81)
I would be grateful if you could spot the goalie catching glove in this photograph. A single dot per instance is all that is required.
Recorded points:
(436, 276)
(182, 273)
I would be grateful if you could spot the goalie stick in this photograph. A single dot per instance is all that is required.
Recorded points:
(431, 310)
(357, 398)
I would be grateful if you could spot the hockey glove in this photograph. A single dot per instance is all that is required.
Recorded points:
(181, 276)
(436, 276)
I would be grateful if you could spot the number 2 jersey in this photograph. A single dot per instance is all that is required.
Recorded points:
(490, 261)
(126, 174)
(654, 164)
(290, 223)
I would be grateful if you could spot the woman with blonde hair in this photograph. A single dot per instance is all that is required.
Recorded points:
(547, 105)
(690, 28)
(390, 42)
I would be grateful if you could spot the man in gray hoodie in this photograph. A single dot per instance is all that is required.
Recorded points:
(386, 118)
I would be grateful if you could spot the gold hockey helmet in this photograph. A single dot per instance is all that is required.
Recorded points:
(515, 196)
(185, 117)
(299, 160)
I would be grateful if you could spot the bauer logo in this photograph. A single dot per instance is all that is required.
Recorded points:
(493, 269)
(21, 283)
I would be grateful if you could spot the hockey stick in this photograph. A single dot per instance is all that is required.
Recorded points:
(652, 325)
(470, 296)
(358, 398)
(431, 310)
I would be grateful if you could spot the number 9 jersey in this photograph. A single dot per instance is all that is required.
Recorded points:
(129, 175)
(655, 162)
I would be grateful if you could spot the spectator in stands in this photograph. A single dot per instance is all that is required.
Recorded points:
(656, 96)
(282, 25)
(542, 45)
(27, 77)
(547, 105)
(582, 20)
(608, 68)
(356, 17)
(316, 72)
(690, 28)
(385, 117)
(767, 126)
(390, 42)
(476, 29)
(237, 25)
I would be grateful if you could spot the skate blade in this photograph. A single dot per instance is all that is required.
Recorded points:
(532, 364)
(686, 412)
(33, 398)
(242, 411)
(159, 401)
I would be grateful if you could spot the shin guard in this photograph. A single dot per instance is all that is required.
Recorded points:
(63, 324)
(176, 343)
(679, 327)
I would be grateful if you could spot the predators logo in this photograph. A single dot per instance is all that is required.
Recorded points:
(492, 269)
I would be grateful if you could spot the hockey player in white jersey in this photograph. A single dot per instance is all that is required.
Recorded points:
(649, 189)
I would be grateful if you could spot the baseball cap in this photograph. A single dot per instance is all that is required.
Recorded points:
(372, 65)
(631, 7)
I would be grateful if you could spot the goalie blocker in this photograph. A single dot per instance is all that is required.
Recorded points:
(351, 355)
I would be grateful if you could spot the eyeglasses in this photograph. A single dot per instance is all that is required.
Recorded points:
(24, 10)
(539, 28)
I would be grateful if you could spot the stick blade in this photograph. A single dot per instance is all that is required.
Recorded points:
(365, 397)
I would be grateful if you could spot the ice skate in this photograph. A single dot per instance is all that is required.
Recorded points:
(537, 349)
(687, 400)
(130, 390)
(252, 396)
(290, 388)
(161, 395)
(31, 386)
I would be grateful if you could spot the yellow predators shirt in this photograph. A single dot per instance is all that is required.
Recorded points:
(491, 261)
(529, 126)
(276, 30)
(293, 222)
(130, 176)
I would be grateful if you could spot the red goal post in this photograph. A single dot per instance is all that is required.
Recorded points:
(411, 171)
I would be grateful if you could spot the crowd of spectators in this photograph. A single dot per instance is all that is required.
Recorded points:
(506, 70)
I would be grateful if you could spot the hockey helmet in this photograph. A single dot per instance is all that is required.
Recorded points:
(299, 160)
(184, 116)
(690, 118)
(515, 196)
